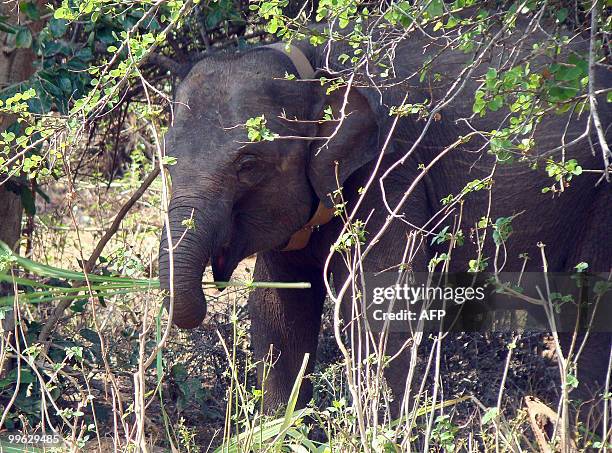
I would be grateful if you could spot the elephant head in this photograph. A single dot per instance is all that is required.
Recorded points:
(245, 197)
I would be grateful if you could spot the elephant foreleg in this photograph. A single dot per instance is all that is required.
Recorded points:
(285, 325)
(593, 247)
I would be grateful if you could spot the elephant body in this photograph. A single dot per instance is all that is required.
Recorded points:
(250, 198)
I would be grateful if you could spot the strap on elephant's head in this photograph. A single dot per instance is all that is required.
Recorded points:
(300, 238)
(297, 57)
(323, 214)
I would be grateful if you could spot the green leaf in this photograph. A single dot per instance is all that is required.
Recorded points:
(435, 8)
(66, 85)
(565, 91)
(572, 381)
(23, 39)
(51, 88)
(479, 102)
(490, 415)
(57, 27)
(496, 103)
(30, 10)
(63, 13)
(502, 228)
(272, 26)
(179, 372)
(25, 376)
(84, 54)
(78, 306)
(169, 160)
(213, 18)
(293, 398)
(442, 236)
(263, 434)
(27, 200)
(567, 74)
(561, 15)
(602, 287)
(452, 22)
(581, 267)
(477, 265)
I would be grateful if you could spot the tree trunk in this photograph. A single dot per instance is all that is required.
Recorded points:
(10, 217)
(16, 65)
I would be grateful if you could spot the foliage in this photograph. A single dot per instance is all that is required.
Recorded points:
(91, 56)
(258, 131)
(105, 73)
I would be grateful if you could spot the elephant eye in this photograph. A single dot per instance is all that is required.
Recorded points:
(247, 162)
(247, 166)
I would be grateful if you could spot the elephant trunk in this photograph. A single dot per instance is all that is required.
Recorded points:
(192, 245)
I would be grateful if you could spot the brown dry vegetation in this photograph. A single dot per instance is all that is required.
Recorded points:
(195, 389)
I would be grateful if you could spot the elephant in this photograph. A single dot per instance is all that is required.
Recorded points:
(276, 198)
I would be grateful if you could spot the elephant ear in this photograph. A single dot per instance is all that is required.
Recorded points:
(355, 140)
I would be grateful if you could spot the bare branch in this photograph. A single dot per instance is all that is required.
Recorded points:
(605, 149)
(91, 262)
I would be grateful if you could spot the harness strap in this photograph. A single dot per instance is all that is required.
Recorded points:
(300, 238)
(323, 214)
(297, 57)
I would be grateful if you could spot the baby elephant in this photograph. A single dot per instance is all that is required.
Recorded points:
(275, 195)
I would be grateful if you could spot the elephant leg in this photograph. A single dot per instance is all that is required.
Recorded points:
(364, 344)
(593, 247)
(285, 325)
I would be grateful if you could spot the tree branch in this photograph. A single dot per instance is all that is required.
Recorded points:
(91, 262)
(592, 99)
(177, 68)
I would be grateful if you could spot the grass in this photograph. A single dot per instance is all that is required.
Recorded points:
(104, 286)
(92, 382)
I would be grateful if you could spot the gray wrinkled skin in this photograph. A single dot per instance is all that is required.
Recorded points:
(250, 198)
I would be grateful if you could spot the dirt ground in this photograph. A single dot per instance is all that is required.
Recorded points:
(195, 388)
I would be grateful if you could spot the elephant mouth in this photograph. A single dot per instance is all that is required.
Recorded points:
(223, 263)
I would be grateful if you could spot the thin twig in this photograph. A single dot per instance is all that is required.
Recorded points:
(605, 149)
(89, 265)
